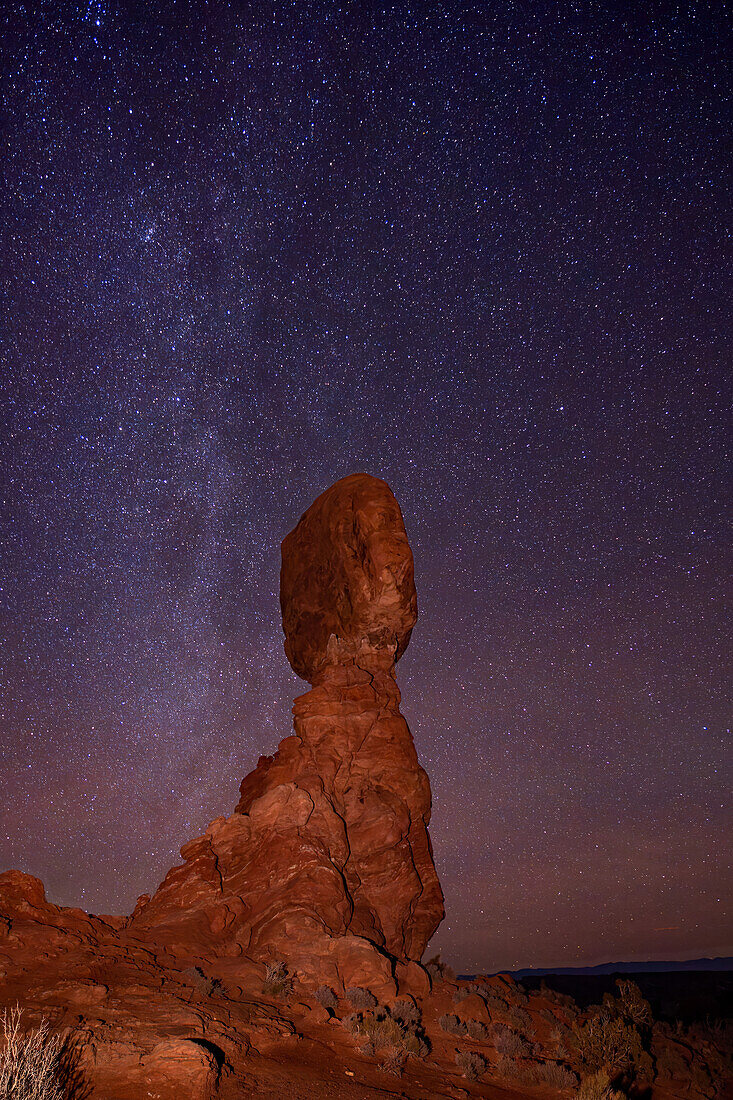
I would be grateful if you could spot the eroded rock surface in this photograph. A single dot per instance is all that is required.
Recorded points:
(326, 862)
(347, 577)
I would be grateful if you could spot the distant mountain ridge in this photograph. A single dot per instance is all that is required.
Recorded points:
(723, 964)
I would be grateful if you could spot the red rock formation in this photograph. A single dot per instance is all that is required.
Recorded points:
(347, 571)
(326, 862)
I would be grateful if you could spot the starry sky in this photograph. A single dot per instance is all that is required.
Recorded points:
(474, 249)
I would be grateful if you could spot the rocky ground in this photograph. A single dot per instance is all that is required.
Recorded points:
(144, 1027)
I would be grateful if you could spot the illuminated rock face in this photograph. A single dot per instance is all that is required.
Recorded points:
(326, 862)
(347, 578)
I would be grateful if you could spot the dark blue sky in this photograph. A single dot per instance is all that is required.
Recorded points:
(477, 250)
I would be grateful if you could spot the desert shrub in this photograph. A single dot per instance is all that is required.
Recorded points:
(278, 982)
(195, 976)
(406, 1012)
(632, 1006)
(491, 996)
(505, 1068)
(477, 1030)
(519, 1018)
(520, 993)
(440, 971)
(717, 1032)
(558, 1040)
(605, 1042)
(509, 1043)
(394, 1062)
(552, 1073)
(361, 998)
(511, 1070)
(461, 994)
(452, 1024)
(598, 1087)
(326, 996)
(379, 1030)
(471, 1065)
(30, 1063)
(513, 991)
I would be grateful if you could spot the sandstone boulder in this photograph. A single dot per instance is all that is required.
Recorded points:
(347, 575)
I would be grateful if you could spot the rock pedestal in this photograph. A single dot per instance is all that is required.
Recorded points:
(326, 863)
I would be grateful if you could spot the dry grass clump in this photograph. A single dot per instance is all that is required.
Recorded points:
(326, 996)
(30, 1063)
(598, 1087)
(361, 998)
(471, 1065)
(559, 1040)
(278, 982)
(394, 1062)
(452, 1024)
(379, 1030)
(552, 1073)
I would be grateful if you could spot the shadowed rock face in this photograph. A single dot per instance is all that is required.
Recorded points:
(326, 862)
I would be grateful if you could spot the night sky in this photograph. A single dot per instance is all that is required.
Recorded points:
(474, 249)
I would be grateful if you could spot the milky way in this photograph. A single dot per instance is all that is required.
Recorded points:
(476, 250)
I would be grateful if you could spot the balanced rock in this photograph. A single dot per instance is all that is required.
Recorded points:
(347, 577)
(326, 863)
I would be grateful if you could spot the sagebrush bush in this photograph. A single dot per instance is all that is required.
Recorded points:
(452, 1024)
(326, 996)
(471, 1065)
(510, 1043)
(510, 1069)
(278, 982)
(361, 998)
(406, 1012)
(518, 1017)
(477, 1030)
(30, 1062)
